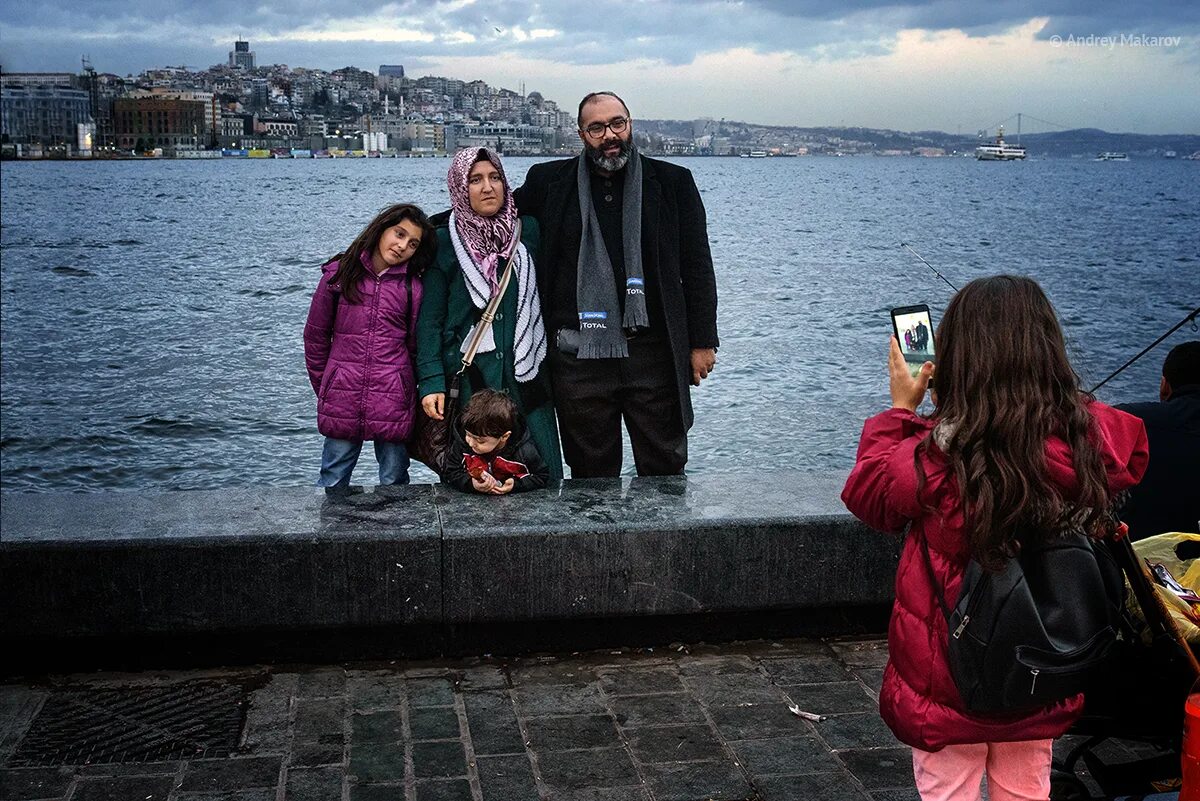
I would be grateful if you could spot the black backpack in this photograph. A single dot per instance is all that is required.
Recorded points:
(1029, 635)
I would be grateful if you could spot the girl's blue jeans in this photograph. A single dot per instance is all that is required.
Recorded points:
(340, 455)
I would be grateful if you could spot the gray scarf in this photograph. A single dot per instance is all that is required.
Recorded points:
(596, 291)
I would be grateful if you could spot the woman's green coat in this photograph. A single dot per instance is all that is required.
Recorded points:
(446, 318)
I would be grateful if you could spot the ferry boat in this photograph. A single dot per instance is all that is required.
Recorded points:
(1111, 156)
(999, 150)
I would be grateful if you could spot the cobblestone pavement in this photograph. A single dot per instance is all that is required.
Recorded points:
(675, 724)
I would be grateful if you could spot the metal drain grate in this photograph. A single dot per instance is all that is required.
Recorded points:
(136, 724)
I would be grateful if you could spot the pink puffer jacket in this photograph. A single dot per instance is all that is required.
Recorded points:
(360, 356)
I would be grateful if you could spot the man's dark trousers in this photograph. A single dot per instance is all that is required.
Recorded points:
(592, 396)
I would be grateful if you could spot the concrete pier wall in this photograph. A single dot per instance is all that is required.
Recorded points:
(426, 558)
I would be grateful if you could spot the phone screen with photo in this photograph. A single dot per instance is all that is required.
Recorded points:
(913, 328)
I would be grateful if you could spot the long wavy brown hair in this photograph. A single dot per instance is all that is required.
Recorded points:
(351, 270)
(1004, 385)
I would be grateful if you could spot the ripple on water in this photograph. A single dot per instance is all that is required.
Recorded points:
(73, 272)
(173, 428)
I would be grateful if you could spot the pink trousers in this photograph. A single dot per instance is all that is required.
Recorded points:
(1015, 771)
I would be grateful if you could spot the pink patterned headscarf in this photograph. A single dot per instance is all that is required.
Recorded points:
(485, 238)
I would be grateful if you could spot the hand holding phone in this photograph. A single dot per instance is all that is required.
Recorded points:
(913, 328)
(907, 390)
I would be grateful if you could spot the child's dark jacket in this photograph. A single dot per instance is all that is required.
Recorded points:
(518, 459)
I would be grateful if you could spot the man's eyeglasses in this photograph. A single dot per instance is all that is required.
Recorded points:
(616, 125)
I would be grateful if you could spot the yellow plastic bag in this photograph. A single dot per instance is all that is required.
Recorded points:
(1161, 550)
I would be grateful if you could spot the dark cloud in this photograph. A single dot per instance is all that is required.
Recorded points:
(122, 36)
(979, 17)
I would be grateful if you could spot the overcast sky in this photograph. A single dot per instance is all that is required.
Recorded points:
(945, 64)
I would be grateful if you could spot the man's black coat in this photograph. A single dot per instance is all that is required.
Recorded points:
(1167, 499)
(675, 253)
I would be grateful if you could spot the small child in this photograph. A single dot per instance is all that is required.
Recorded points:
(498, 455)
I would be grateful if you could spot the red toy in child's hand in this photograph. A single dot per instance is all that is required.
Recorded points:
(476, 467)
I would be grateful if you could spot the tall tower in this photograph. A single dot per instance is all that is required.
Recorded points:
(241, 56)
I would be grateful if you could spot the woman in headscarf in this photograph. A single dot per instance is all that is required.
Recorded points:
(465, 276)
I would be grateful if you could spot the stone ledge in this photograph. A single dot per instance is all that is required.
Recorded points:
(144, 563)
(426, 557)
(661, 546)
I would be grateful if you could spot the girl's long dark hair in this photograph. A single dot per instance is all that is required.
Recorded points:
(351, 270)
(1004, 386)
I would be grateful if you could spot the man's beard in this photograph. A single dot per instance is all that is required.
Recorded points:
(611, 163)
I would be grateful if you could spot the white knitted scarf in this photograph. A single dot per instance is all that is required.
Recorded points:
(529, 343)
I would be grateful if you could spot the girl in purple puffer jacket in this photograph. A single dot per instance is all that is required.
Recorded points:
(359, 342)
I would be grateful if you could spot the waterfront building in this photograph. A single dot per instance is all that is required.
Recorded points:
(48, 117)
(511, 139)
(237, 126)
(241, 56)
(31, 80)
(678, 147)
(240, 132)
(407, 133)
(551, 118)
(313, 125)
(276, 127)
(424, 137)
(170, 120)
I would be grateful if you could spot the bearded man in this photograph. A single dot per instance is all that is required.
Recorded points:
(628, 295)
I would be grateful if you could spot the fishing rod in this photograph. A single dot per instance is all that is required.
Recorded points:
(927, 264)
(1191, 317)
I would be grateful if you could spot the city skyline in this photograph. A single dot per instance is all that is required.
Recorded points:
(905, 66)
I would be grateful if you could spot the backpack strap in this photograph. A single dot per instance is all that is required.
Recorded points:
(938, 592)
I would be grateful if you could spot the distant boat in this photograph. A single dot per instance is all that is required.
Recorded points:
(1111, 156)
(1169, 154)
(999, 150)
(758, 154)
